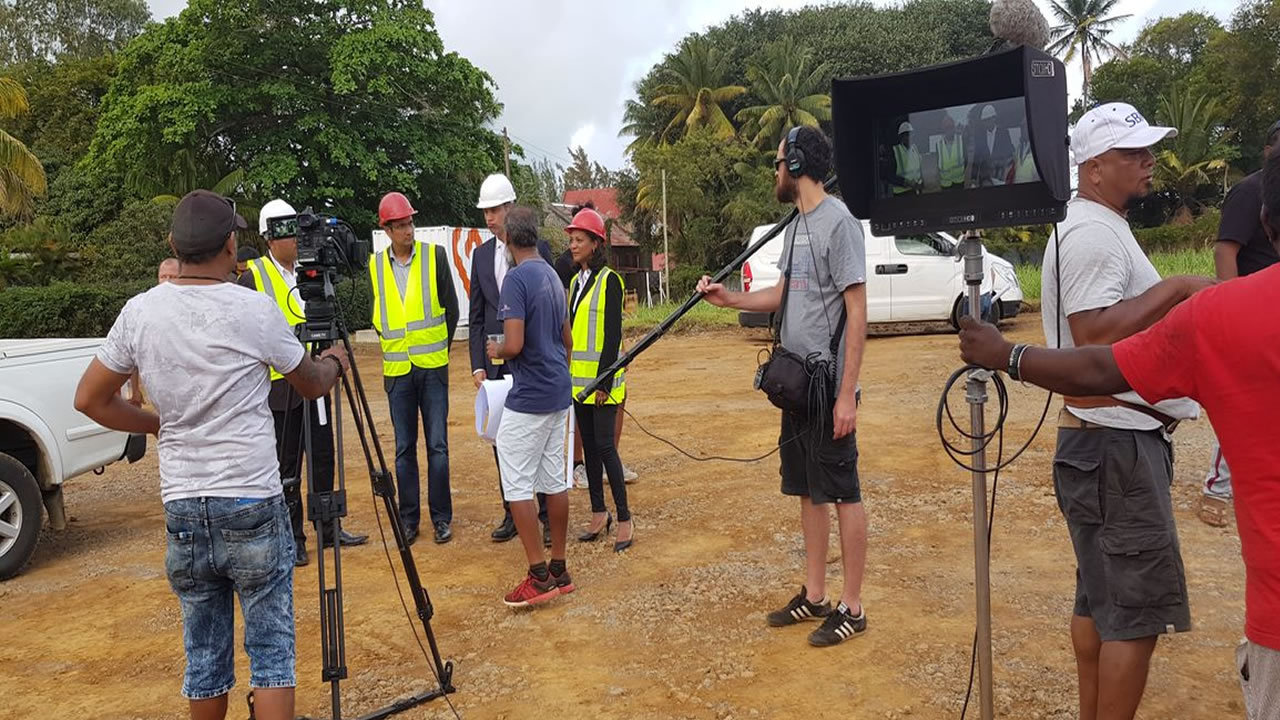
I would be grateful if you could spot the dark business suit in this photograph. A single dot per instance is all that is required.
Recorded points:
(484, 322)
(991, 165)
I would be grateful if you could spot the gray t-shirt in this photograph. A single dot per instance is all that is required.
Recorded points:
(202, 352)
(1102, 265)
(830, 257)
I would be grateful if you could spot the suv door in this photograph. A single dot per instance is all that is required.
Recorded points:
(879, 290)
(923, 272)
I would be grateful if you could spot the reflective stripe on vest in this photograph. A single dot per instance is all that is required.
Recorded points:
(268, 280)
(1025, 170)
(410, 336)
(951, 162)
(908, 160)
(588, 340)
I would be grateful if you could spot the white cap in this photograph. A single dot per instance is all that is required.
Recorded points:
(1114, 125)
(275, 209)
(988, 112)
(496, 190)
(905, 128)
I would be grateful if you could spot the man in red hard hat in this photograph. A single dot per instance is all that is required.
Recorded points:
(415, 311)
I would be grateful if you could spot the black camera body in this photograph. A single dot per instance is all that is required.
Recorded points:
(327, 249)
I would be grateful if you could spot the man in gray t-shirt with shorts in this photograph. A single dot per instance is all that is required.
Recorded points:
(1114, 462)
(824, 277)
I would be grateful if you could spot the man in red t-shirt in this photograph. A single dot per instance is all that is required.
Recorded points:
(1195, 352)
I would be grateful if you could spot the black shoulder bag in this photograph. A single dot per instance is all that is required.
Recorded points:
(799, 385)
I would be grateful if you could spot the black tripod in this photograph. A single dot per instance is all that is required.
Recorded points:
(326, 510)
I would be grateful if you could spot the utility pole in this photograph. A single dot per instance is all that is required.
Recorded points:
(666, 249)
(506, 150)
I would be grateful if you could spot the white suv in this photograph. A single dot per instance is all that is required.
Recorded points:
(44, 441)
(917, 278)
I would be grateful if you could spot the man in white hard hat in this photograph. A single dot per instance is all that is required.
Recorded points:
(1114, 462)
(906, 177)
(489, 265)
(276, 276)
(992, 149)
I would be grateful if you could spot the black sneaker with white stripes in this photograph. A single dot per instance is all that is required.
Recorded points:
(799, 610)
(839, 626)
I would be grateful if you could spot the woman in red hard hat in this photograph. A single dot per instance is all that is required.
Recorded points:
(595, 309)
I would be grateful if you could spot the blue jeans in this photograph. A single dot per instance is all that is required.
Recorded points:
(426, 392)
(220, 548)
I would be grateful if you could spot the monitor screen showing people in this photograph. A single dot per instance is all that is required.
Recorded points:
(955, 148)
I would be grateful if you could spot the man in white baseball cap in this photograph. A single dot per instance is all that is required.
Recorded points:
(1113, 465)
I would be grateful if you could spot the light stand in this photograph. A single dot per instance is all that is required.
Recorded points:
(976, 395)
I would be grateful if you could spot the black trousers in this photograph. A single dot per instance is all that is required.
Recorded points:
(600, 455)
(506, 506)
(291, 450)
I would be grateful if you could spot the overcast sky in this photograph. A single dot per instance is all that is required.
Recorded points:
(564, 68)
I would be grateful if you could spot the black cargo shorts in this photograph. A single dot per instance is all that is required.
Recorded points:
(1113, 489)
(814, 465)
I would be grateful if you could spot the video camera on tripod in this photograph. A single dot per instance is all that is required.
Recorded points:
(328, 248)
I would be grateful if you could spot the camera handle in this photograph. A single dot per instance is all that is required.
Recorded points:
(976, 396)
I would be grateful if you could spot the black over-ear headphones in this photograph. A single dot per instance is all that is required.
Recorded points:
(795, 156)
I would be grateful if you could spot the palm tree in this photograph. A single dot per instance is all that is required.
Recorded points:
(792, 93)
(694, 92)
(21, 174)
(1084, 29)
(1185, 162)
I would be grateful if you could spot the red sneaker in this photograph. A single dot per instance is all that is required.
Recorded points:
(564, 582)
(532, 591)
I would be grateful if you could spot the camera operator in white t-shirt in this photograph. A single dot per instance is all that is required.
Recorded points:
(202, 347)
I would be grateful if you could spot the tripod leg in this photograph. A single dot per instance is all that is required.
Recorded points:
(326, 510)
(385, 489)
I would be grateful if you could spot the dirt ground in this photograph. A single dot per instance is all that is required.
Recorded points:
(675, 627)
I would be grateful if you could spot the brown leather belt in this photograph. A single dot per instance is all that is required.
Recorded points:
(1068, 420)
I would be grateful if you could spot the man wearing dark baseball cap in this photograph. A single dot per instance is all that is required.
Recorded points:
(202, 347)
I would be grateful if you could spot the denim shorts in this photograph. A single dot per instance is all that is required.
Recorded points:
(220, 548)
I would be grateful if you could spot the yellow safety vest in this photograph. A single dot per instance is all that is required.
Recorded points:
(409, 335)
(267, 279)
(588, 339)
(951, 162)
(908, 167)
(1025, 171)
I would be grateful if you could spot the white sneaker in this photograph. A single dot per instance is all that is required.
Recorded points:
(628, 475)
(580, 476)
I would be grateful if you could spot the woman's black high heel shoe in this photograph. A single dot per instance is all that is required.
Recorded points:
(593, 536)
(624, 544)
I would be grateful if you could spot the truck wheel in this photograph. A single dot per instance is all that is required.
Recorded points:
(19, 516)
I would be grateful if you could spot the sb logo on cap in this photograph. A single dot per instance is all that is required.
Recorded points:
(1135, 119)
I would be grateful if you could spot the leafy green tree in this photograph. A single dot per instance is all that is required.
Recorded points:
(794, 93)
(1239, 66)
(324, 103)
(1199, 155)
(1164, 54)
(855, 39)
(712, 186)
(695, 90)
(21, 174)
(1082, 30)
(63, 97)
(584, 174)
(45, 29)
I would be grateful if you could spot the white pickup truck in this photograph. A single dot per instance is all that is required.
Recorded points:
(44, 440)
